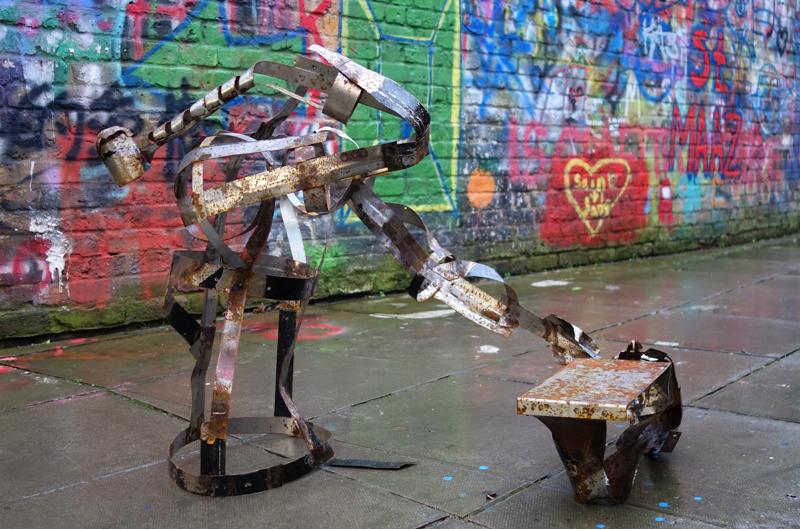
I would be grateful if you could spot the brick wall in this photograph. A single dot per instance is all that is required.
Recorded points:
(564, 132)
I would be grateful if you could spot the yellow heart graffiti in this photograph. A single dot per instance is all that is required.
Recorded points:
(599, 192)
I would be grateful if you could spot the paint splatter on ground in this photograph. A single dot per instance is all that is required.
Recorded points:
(425, 315)
(489, 349)
(704, 308)
(550, 283)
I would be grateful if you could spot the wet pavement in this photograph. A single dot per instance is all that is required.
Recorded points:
(86, 422)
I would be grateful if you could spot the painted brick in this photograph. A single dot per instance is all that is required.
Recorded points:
(563, 133)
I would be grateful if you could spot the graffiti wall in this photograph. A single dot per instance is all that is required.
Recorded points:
(569, 129)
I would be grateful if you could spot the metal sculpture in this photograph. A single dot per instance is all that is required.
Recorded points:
(638, 387)
(327, 181)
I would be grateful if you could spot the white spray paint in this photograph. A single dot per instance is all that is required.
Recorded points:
(424, 315)
(550, 283)
(54, 40)
(39, 72)
(489, 349)
(704, 308)
(88, 83)
(47, 226)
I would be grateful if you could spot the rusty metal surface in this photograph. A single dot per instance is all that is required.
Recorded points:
(594, 388)
(300, 185)
(638, 387)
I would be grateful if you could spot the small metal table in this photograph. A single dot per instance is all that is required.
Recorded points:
(576, 402)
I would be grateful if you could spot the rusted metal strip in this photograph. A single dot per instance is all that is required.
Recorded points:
(256, 481)
(287, 325)
(446, 279)
(369, 463)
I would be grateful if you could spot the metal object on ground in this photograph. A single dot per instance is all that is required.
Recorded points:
(638, 387)
(301, 178)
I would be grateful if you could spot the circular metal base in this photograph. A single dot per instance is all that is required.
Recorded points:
(258, 480)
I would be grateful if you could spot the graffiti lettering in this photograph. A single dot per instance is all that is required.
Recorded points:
(702, 58)
(593, 190)
(715, 150)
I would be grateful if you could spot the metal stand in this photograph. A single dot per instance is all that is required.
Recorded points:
(289, 282)
(576, 403)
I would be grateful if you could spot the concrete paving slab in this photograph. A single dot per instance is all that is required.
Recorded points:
(440, 390)
(466, 420)
(770, 392)
(542, 300)
(644, 290)
(592, 315)
(777, 298)
(20, 388)
(700, 372)
(633, 286)
(146, 498)
(399, 304)
(445, 486)
(784, 251)
(737, 264)
(324, 381)
(443, 339)
(698, 330)
(539, 506)
(115, 361)
(530, 368)
(62, 442)
(728, 470)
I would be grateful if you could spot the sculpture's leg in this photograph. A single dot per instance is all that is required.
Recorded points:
(209, 456)
(201, 350)
(651, 435)
(217, 431)
(287, 334)
(200, 337)
(581, 444)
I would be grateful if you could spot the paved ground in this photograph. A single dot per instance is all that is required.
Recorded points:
(86, 423)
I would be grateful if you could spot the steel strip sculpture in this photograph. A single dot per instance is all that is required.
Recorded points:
(327, 181)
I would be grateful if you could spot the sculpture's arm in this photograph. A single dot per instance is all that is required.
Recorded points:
(437, 274)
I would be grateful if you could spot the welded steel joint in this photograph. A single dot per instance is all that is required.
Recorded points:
(638, 387)
(301, 178)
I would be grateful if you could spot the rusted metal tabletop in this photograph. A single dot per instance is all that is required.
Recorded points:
(638, 387)
(595, 388)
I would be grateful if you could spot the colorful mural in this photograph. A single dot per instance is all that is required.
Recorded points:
(558, 126)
